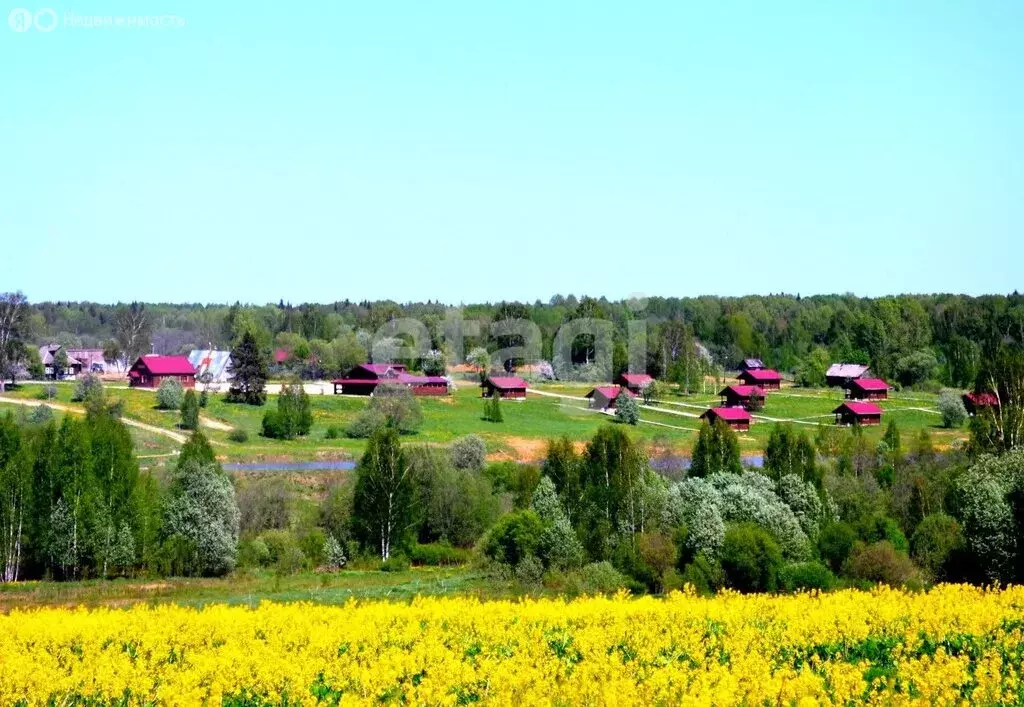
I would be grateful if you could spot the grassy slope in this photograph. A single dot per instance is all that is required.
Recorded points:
(526, 428)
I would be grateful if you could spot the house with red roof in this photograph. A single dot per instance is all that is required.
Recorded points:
(742, 396)
(603, 396)
(750, 364)
(635, 382)
(364, 379)
(976, 402)
(867, 389)
(736, 418)
(507, 387)
(151, 370)
(764, 378)
(852, 413)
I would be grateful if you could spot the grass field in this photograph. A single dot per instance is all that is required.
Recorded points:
(670, 425)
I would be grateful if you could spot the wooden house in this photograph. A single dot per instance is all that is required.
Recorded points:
(603, 397)
(743, 396)
(737, 418)
(150, 371)
(635, 382)
(364, 379)
(852, 413)
(867, 389)
(839, 375)
(507, 387)
(764, 378)
(976, 402)
(48, 355)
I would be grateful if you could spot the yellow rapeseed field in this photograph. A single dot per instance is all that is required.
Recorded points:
(954, 644)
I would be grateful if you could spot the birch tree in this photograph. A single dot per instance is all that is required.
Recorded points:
(384, 493)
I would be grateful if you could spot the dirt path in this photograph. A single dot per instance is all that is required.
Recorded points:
(176, 436)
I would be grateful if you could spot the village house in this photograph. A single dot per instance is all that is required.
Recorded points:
(603, 397)
(867, 389)
(507, 387)
(48, 355)
(750, 364)
(634, 382)
(151, 370)
(92, 360)
(364, 379)
(976, 402)
(736, 418)
(744, 396)
(851, 413)
(764, 378)
(839, 375)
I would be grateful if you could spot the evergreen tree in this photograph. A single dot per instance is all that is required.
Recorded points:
(196, 448)
(790, 452)
(249, 372)
(626, 409)
(190, 411)
(717, 451)
(492, 408)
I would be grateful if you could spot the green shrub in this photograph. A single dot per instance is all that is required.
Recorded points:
(807, 575)
(602, 577)
(47, 392)
(751, 559)
(438, 554)
(253, 553)
(170, 394)
(937, 538)
(396, 563)
(285, 553)
(87, 387)
(333, 432)
(705, 575)
(41, 414)
(513, 537)
(835, 543)
(880, 562)
(190, 411)
(881, 527)
(238, 435)
(313, 545)
(951, 406)
(529, 572)
(469, 452)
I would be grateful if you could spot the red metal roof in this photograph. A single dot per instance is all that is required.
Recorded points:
(982, 399)
(869, 384)
(744, 391)
(610, 391)
(507, 382)
(860, 408)
(761, 374)
(732, 414)
(638, 379)
(167, 365)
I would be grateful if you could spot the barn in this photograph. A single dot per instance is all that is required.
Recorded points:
(976, 402)
(603, 397)
(507, 387)
(764, 378)
(743, 396)
(737, 418)
(851, 413)
(839, 375)
(150, 371)
(867, 389)
(634, 382)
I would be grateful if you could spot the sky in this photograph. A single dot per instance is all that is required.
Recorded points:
(477, 151)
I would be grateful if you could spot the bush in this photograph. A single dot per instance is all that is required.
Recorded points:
(238, 435)
(881, 527)
(170, 394)
(204, 398)
(438, 555)
(396, 563)
(313, 544)
(492, 409)
(880, 562)
(253, 553)
(87, 387)
(514, 537)
(41, 415)
(836, 543)
(469, 452)
(601, 577)
(952, 408)
(529, 571)
(936, 539)
(333, 432)
(807, 575)
(47, 392)
(705, 575)
(293, 417)
(751, 559)
(335, 553)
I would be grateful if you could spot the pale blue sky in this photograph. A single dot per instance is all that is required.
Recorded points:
(463, 151)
